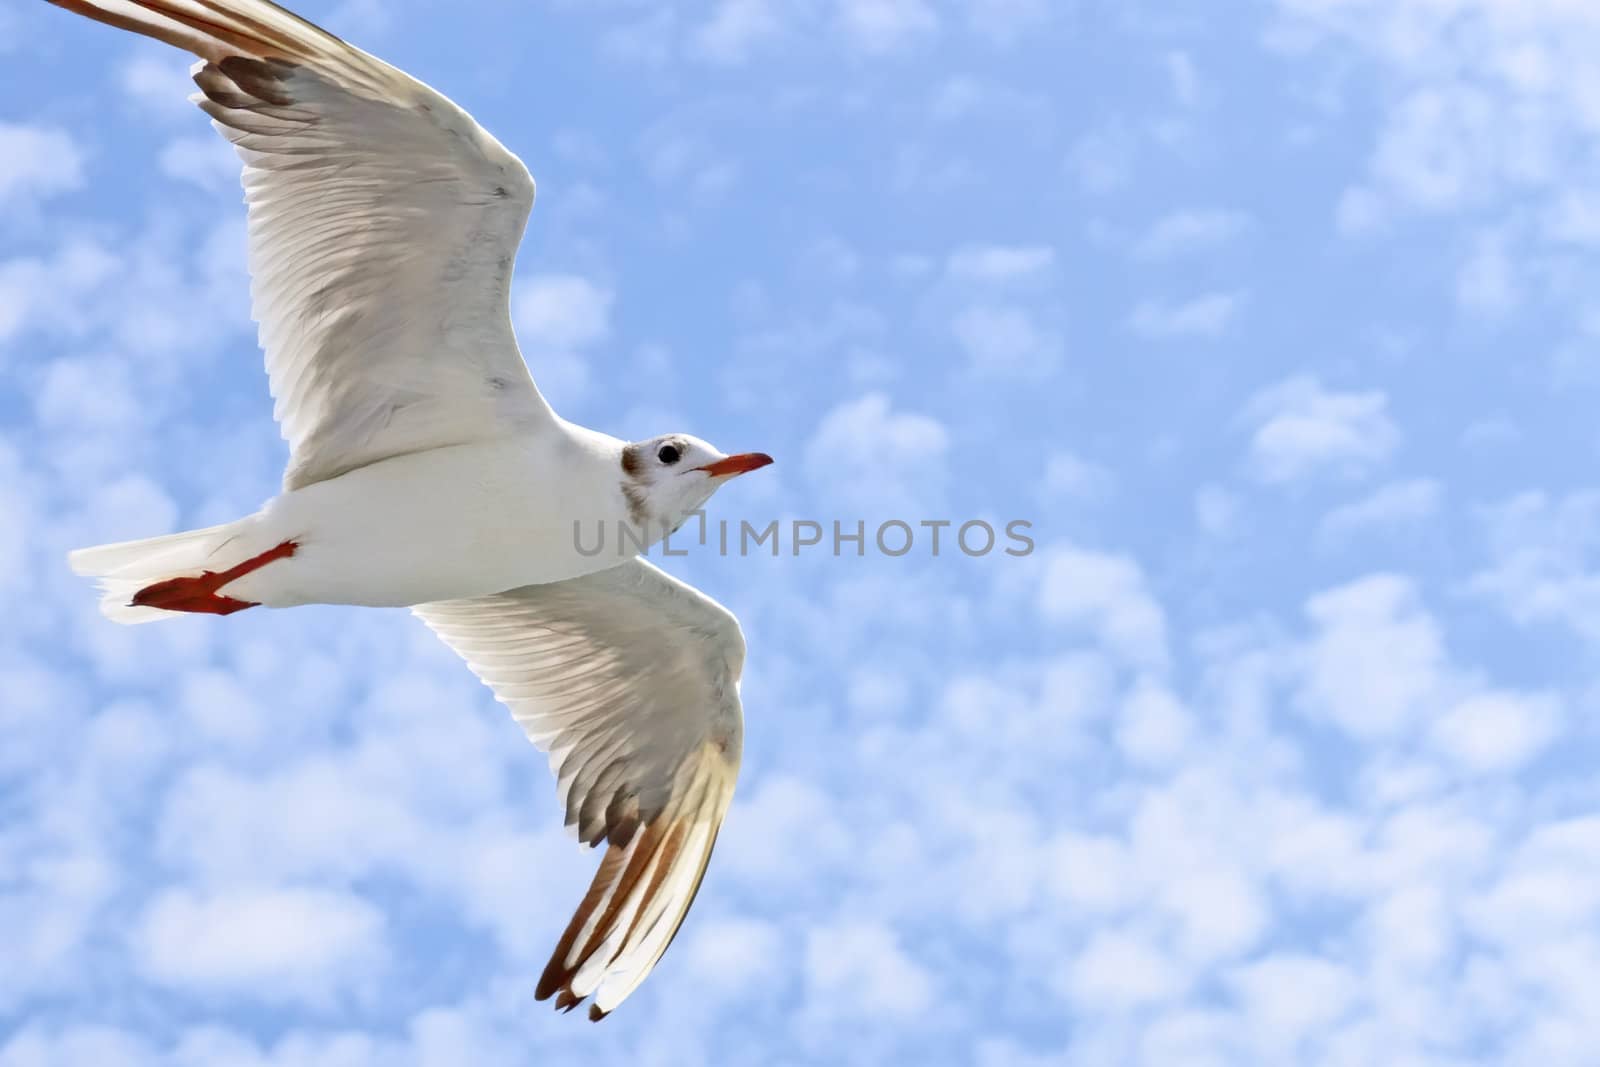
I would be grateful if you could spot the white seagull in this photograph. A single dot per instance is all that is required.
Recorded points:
(427, 471)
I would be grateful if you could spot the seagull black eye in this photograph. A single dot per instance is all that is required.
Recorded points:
(669, 454)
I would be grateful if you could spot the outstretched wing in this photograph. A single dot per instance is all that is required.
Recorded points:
(383, 225)
(629, 679)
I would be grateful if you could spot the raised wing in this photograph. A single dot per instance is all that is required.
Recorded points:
(629, 679)
(383, 225)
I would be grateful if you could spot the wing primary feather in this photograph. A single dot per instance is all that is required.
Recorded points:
(266, 32)
(555, 972)
(216, 30)
(178, 36)
(650, 846)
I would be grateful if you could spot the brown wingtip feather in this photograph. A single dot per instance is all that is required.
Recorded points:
(658, 844)
(160, 29)
(556, 974)
(211, 29)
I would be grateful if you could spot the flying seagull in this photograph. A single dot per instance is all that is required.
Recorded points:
(427, 471)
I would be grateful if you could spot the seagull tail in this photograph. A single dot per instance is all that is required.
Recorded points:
(126, 568)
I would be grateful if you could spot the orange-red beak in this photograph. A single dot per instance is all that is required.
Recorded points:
(743, 463)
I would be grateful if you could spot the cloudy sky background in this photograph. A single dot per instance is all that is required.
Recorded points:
(1278, 320)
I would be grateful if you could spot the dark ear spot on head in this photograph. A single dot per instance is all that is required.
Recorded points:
(630, 460)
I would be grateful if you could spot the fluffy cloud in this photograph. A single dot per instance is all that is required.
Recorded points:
(1490, 732)
(1203, 316)
(1000, 263)
(1118, 972)
(1005, 22)
(735, 28)
(1376, 663)
(268, 943)
(38, 162)
(1185, 233)
(1396, 506)
(1302, 429)
(860, 440)
(559, 318)
(1106, 595)
(886, 25)
(1486, 111)
(1542, 567)
(1008, 326)
(859, 968)
(1005, 340)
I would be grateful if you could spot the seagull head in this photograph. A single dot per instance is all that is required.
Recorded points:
(666, 478)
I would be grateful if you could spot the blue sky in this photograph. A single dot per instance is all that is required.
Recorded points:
(1276, 320)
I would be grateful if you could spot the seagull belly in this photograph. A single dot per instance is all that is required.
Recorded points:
(461, 521)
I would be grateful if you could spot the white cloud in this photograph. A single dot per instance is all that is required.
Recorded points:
(224, 710)
(1204, 316)
(31, 1046)
(49, 294)
(687, 162)
(1004, 340)
(1303, 429)
(1290, 997)
(735, 956)
(1573, 218)
(735, 28)
(1105, 595)
(1433, 155)
(1187, 88)
(1413, 929)
(1543, 567)
(831, 259)
(754, 847)
(1221, 911)
(1154, 729)
(37, 162)
(1069, 475)
(1091, 875)
(1117, 971)
(1485, 107)
(1102, 160)
(266, 944)
(1185, 233)
(1376, 663)
(1006, 21)
(1000, 263)
(989, 102)
(206, 161)
(864, 446)
(1497, 731)
(1397, 505)
(562, 310)
(1487, 284)
(557, 317)
(1216, 510)
(859, 969)
(886, 25)
(646, 41)
(158, 82)
(1544, 890)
